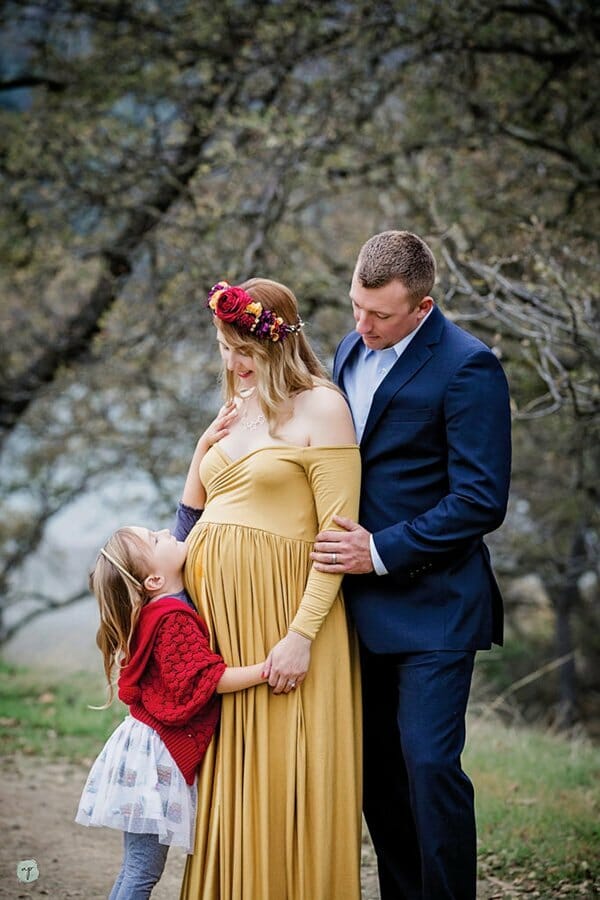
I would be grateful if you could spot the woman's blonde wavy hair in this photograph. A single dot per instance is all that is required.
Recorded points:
(283, 368)
(120, 600)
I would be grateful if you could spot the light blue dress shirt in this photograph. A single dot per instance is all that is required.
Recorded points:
(362, 377)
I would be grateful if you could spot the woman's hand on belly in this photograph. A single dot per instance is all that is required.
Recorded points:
(288, 662)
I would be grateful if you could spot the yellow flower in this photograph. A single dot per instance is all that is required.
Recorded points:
(215, 299)
(254, 309)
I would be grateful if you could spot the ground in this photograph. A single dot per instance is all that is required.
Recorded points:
(39, 800)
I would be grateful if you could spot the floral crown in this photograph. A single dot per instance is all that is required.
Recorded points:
(235, 305)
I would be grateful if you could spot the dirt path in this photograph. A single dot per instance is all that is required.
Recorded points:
(39, 800)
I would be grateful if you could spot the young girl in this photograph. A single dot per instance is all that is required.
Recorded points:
(143, 781)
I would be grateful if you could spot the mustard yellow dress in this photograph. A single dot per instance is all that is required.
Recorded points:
(279, 791)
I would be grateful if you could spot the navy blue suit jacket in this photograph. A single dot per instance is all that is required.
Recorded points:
(435, 476)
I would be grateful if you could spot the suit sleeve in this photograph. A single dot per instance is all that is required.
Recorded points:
(334, 476)
(477, 423)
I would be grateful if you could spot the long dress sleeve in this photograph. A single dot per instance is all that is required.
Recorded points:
(334, 476)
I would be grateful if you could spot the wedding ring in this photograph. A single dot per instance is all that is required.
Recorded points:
(291, 684)
(334, 559)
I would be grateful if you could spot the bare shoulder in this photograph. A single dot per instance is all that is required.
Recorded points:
(322, 400)
(327, 415)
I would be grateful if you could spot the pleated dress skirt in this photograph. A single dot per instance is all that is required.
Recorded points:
(279, 790)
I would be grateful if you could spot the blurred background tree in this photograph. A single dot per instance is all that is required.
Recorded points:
(149, 148)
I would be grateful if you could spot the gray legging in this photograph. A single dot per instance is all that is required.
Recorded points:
(143, 863)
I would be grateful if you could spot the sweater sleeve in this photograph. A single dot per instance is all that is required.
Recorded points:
(185, 519)
(334, 476)
(183, 673)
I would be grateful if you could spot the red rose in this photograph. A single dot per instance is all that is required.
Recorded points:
(246, 322)
(231, 304)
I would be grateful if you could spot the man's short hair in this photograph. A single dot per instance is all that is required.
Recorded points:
(399, 255)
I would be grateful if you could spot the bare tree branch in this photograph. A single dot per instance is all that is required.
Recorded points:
(47, 604)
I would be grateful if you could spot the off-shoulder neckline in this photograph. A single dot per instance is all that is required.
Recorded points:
(300, 447)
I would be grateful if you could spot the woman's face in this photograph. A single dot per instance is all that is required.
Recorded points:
(243, 367)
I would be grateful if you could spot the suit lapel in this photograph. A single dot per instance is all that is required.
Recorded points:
(346, 348)
(417, 354)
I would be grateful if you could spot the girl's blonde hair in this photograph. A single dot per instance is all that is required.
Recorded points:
(283, 368)
(117, 580)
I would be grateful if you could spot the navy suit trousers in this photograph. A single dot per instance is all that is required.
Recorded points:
(418, 802)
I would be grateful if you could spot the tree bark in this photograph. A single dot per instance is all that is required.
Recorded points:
(566, 599)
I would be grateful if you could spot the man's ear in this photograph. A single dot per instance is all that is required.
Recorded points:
(154, 583)
(424, 307)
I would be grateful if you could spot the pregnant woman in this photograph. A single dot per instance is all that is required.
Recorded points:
(279, 792)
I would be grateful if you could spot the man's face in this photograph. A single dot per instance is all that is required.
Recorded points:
(384, 315)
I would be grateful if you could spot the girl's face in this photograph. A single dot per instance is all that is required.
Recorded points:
(166, 554)
(243, 367)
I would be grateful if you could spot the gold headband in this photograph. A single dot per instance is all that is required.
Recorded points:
(121, 569)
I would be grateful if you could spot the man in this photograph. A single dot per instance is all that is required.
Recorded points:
(431, 408)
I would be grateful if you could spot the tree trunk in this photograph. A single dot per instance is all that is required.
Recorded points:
(566, 599)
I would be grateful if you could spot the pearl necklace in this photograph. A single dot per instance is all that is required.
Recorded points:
(251, 424)
(245, 422)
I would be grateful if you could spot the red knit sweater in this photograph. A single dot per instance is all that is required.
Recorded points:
(170, 680)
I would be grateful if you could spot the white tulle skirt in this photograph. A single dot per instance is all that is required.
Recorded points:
(135, 785)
